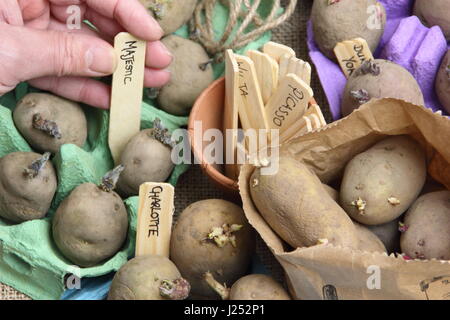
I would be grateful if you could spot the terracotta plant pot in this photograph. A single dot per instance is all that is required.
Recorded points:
(209, 110)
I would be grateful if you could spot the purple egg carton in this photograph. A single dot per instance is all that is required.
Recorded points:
(406, 41)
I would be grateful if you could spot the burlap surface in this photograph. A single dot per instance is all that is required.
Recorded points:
(194, 186)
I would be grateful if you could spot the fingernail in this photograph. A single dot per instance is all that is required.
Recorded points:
(165, 49)
(157, 27)
(101, 60)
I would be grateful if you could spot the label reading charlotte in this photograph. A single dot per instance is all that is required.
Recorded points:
(154, 227)
(128, 56)
(351, 54)
(155, 209)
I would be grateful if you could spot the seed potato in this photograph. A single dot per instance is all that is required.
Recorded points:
(427, 225)
(389, 234)
(347, 20)
(290, 200)
(212, 236)
(443, 82)
(27, 186)
(191, 74)
(381, 183)
(258, 287)
(145, 158)
(47, 122)
(90, 225)
(148, 278)
(170, 14)
(380, 79)
(434, 13)
(368, 241)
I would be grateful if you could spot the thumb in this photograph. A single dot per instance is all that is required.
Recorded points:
(56, 53)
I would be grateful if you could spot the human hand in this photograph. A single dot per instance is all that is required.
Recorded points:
(38, 47)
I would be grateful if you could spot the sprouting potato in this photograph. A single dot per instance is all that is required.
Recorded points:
(380, 79)
(170, 14)
(381, 183)
(27, 186)
(434, 13)
(443, 82)
(191, 72)
(149, 278)
(47, 122)
(336, 21)
(91, 224)
(212, 236)
(426, 227)
(147, 158)
(290, 200)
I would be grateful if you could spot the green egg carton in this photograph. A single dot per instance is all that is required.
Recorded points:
(29, 259)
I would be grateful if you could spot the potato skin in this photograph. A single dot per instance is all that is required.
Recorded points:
(290, 200)
(194, 256)
(427, 225)
(442, 83)
(140, 278)
(344, 20)
(68, 115)
(21, 198)
(389, 234)
(258, 287)
(145, 159)
(90, 225)
(393, 169)
(434, 13)
(175, 13)
(368, 241)
(188, 80)
(394, 81)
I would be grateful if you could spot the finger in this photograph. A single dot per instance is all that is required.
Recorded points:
(84, 29)
(154, 78)
(64, 12)
(48, 53)
(40, 22)
(130, 14)
(32, 9)
(85, 90)
(10, 12)
(157, 56)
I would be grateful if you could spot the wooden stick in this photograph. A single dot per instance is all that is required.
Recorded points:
(276, 50)
(127, 90)
(154, 221)
(351, 54)
(231, 113)
(315, 109)
(267, 72)
(250, 93)
(301, 126)
(289, 103)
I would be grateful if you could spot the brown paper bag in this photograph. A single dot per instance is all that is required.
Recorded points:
(329, 272)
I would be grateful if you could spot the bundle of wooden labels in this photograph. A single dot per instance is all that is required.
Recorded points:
(265, 91)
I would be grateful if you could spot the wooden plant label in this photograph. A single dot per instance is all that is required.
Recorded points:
(127, 91)
(276, 50)
(289, 103)
(300, 127)
(300, 68)
(267, 73)
(285, 60)
(154, 220)
(231, 117)
(351, 54)
(252, 106)
(315, 109)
